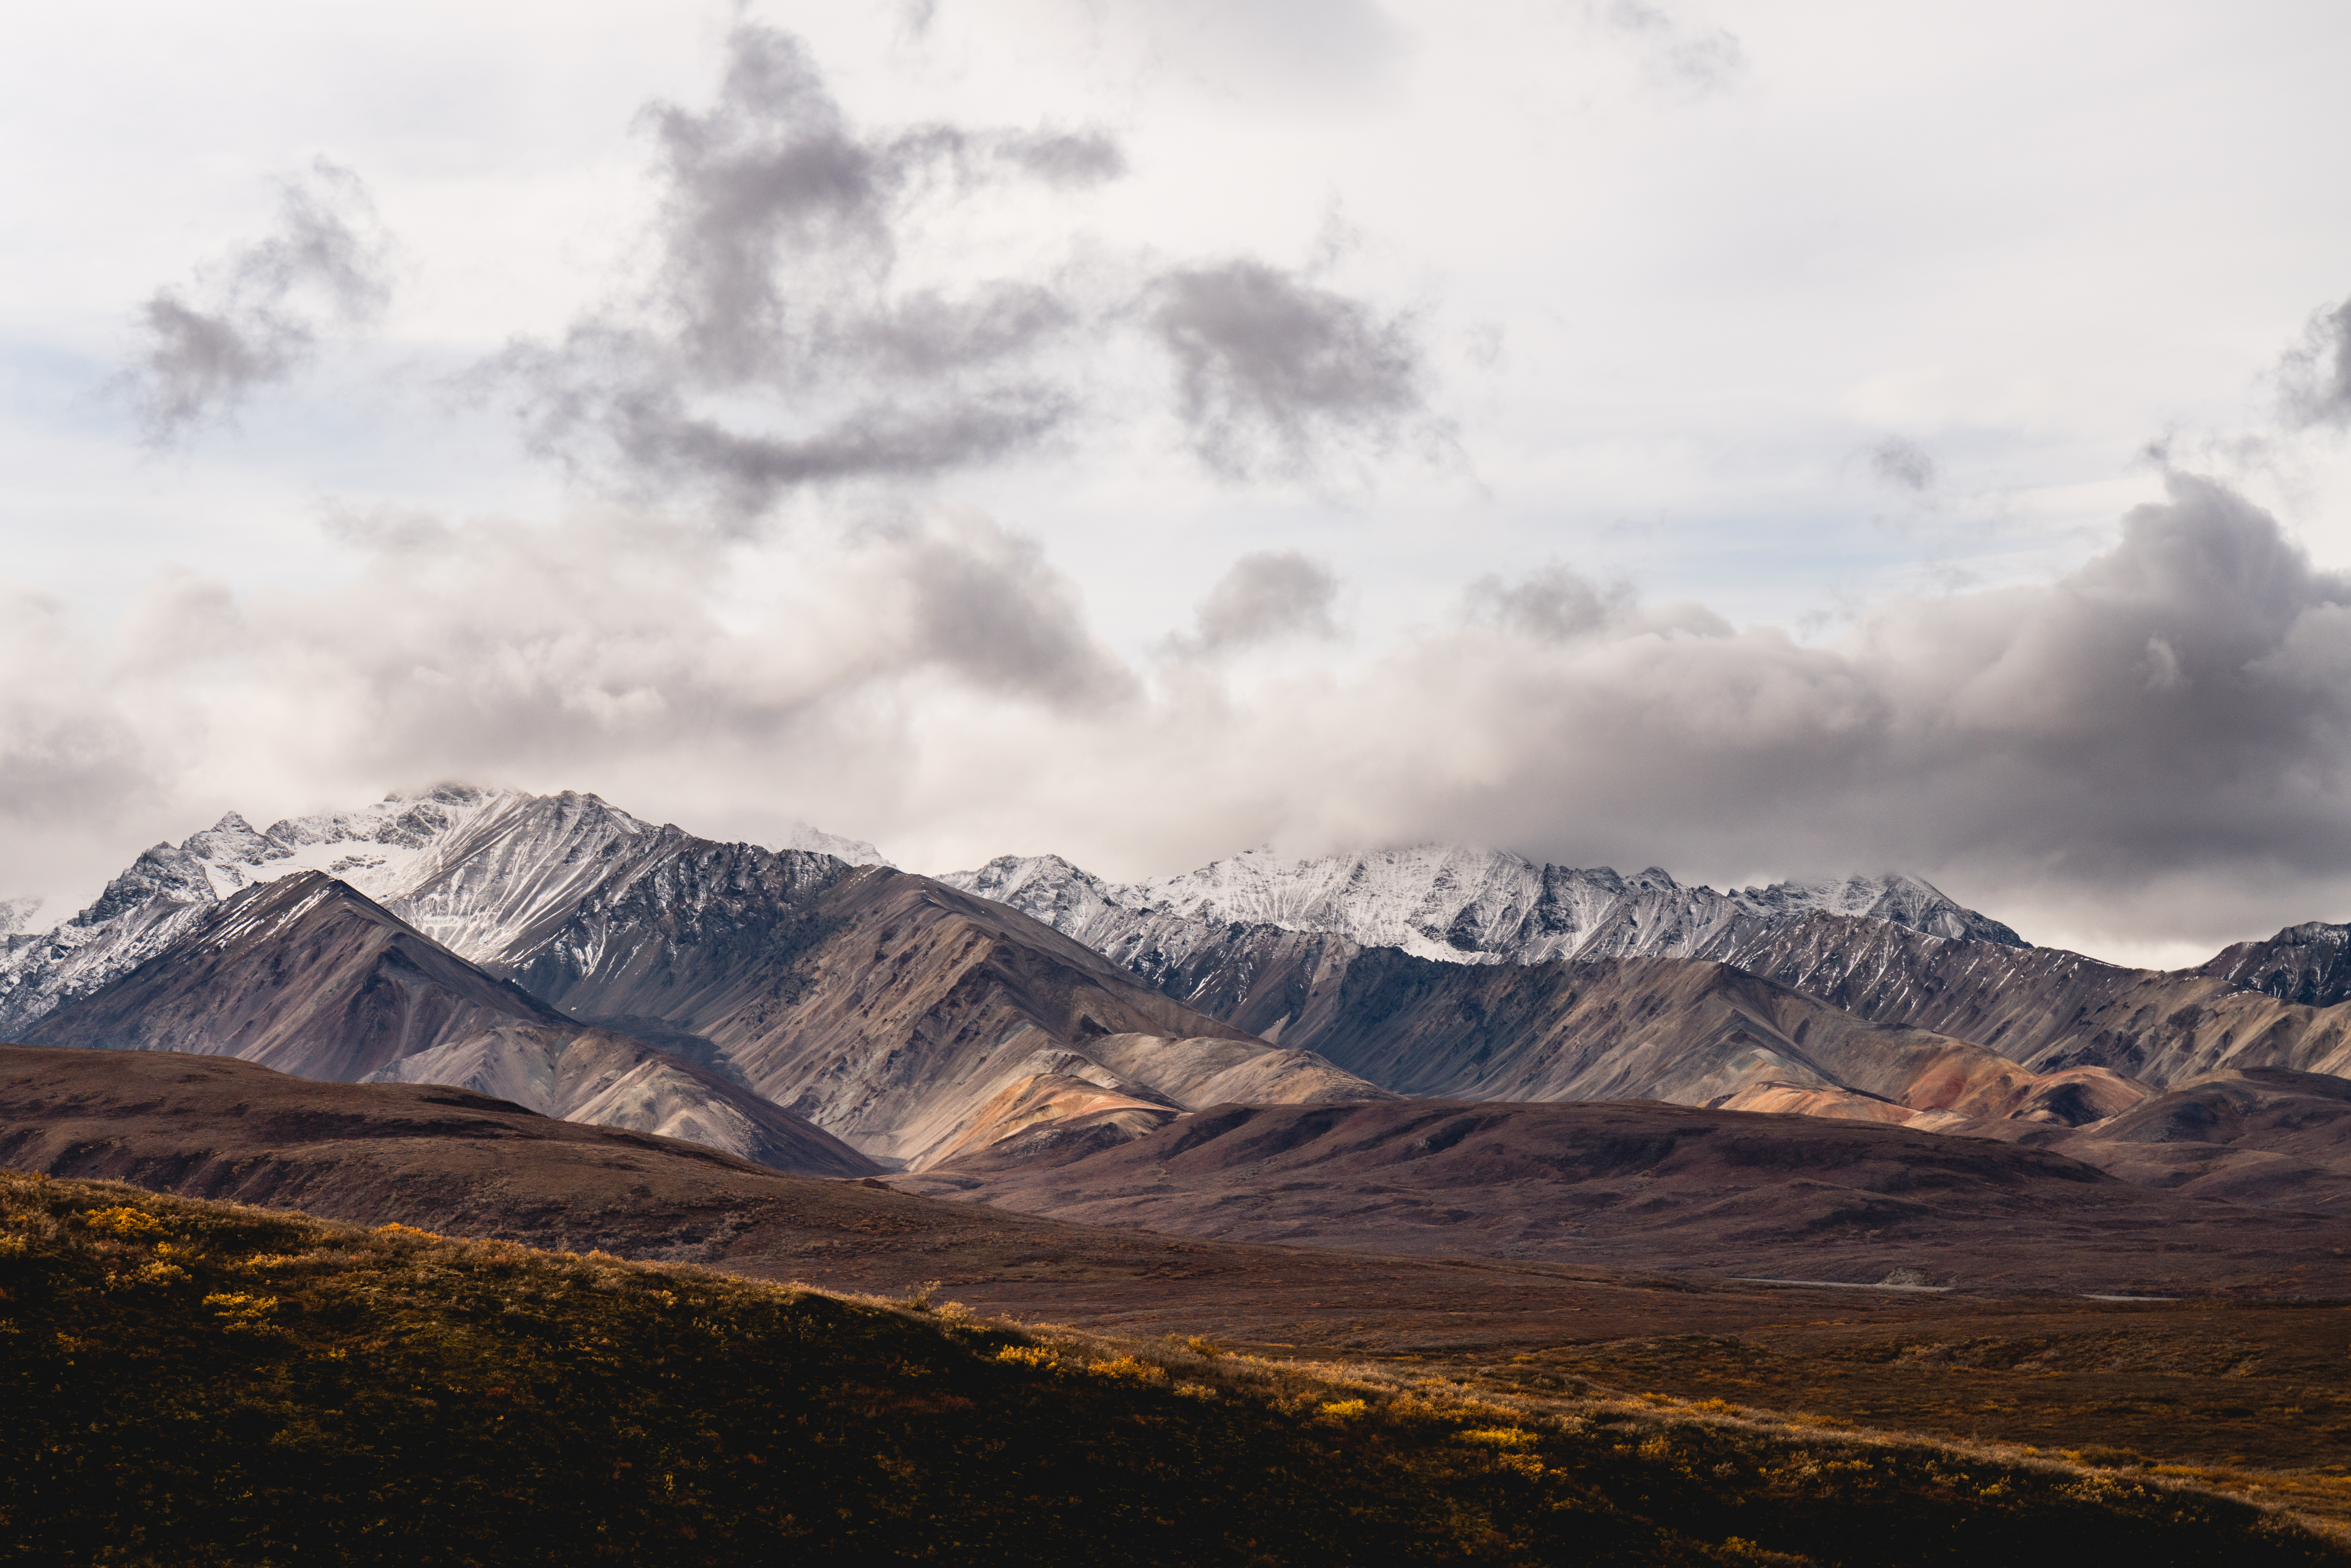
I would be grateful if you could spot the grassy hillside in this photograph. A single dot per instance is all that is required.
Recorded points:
(193, 1383)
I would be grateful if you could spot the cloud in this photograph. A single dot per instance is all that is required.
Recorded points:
(776, 347)
(1262, 598)
(2315, 377)
(1271, 370)
(1905, 464)
(1692, 62)
(255, 317)
(2157, 744)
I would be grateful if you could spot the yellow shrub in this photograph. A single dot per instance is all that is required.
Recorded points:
(1127, 1366)
(123, 1221)
(1344, 1410)
(1499, 1436)
(240, 1311)
(1026, 1356)
(397, 1230)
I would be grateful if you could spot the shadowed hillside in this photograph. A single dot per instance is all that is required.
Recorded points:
(202, 1383)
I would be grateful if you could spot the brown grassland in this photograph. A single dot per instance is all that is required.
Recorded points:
(189, 1381)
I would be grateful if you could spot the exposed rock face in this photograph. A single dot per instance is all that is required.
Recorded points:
(485, 873)
(1690, 1031)
(612, 1081)
(890, 1014)
(1442, 901)
(303, 975)
(309, 976)
(891, 1010)
(2051, 1010)
(2307, 964)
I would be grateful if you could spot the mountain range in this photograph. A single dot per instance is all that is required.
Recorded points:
(813, 1009)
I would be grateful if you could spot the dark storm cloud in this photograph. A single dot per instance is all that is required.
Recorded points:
(1263, 597)
(776, 350)
(598, 402)
(1271, 370)
(1905, 464)
(2157, 742)
(256, 317)
(775, 301)
(2316, 376)
(2177, 708)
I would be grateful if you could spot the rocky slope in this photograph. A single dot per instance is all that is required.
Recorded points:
(893, 1011)
(610, 1080)
(303, 975)
(2050, 1009)
(485, 873)
(1443, 902)
(895, 1030)
(309, 976)
(1689, 1031)
(2307, 963)
(2262, 1136)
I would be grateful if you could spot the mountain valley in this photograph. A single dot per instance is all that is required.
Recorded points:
(1849, 1148)
(826, 1013)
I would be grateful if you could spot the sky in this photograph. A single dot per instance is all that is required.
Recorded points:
(1764, 441)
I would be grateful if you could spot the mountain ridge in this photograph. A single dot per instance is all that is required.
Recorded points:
(1457, 903)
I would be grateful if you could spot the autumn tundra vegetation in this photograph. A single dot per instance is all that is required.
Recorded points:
(193, 1382)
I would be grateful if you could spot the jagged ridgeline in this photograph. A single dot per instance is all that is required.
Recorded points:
(194, 1383)
(787, 1006)
(812, 1008)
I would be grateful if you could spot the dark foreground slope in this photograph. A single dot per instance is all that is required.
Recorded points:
(1656, 1186)
(2260, 1384)
(202, 1383)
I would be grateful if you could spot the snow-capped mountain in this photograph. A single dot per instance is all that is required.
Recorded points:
(1466, 905)
(480, 871)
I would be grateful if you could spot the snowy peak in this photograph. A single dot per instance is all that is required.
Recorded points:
(1460, 904)
(482, 871)
(1046, 888)
(2308, 963)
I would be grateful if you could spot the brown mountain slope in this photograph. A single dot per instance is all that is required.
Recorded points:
(304, 975)
(1686, 1030)
(893, 1011)
(1662, 1186)
(2051, 1010)
(2308, 963)
(2262, 1135)
(456, 1163)
(614, 1080)
(309, 976)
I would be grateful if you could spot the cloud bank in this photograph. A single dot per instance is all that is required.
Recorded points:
(2163, 735)
(256, 317)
